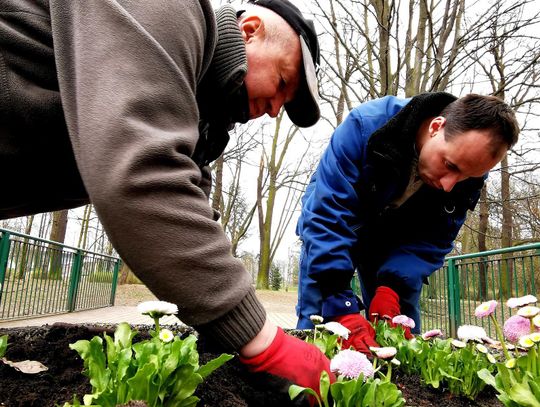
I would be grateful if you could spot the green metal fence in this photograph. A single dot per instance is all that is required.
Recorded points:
(41, 277)
(454, 291)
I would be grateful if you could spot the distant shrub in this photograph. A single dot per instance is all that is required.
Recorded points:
(41, 274)
(100, 277)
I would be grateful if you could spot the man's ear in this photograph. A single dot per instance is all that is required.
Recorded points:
(436, 124)
(251, 27)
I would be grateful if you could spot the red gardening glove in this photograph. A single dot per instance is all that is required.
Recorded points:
(385, 305)
(362, 334)
(293, 359)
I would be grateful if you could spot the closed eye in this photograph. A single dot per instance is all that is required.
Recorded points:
(451, 166)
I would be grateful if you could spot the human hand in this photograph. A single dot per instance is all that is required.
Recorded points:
(293, 359)
(362, 334)
(385, 305)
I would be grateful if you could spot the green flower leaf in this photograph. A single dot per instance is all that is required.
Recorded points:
(159, 373)
(295, 391)
(521, 394)
(185, 383)
(3, 345)
(123, 335)
(212, 365)
(141, 384)
(487, 377)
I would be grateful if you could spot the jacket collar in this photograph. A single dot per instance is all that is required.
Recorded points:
(390, 152)
(391, 149)
(221, 95)
(394, 143)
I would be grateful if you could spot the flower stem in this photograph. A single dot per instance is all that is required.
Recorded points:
(501, 337)
(389, 372)
(156, 323)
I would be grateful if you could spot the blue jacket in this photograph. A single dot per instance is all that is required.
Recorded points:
(346, 223)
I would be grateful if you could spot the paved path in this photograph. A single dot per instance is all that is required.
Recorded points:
(279, 306)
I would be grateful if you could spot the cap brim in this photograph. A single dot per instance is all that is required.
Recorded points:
(304, 110)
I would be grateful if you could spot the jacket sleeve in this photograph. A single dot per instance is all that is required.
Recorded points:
(128, 73)
(329, 217)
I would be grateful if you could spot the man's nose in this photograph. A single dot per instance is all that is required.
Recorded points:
(274, 105)
(449, 181)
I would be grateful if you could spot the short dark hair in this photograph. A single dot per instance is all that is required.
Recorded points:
(477, 112)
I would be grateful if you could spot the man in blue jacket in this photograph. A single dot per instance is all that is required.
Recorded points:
(388, 198)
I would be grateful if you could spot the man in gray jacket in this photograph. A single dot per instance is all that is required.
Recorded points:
(124, 104)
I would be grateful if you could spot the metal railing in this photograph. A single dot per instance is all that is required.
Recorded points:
(42, 277)
(454, 291)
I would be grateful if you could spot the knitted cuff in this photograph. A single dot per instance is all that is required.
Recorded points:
(239, 326)
(257, 363)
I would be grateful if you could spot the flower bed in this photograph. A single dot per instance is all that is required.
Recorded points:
(229, 386)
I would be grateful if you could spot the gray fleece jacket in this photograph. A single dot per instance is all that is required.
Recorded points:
(98, 103)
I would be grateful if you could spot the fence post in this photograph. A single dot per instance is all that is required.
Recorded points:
(74, 281)
(454, 313)
(4, 254)
(115, 280)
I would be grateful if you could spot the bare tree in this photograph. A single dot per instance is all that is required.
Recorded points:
(382, 47)
(228, 196)
(509, 58)
(274, 175)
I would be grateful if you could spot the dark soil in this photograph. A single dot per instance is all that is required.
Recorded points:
(229, 386)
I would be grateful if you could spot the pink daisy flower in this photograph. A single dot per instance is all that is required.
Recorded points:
(386, 352)
(403, 320)
(485, 309)
(491, 341)
(515, 327)
(350, 364)
(431, 334)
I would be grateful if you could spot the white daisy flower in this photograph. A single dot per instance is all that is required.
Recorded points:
(166, 335)
(510, 363)
(526, 342)
(338, 329)
(481, 348)
(529, 311)
(156, 309)
(471, 333)
(521, 301)
(458, 344)
(316, 319)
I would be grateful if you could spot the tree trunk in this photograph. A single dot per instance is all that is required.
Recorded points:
(483, 224)
(83, 235)
(507, 265)
(217, 197)
(264, 249)
(124, 273)
(58, 234)
(23, 264)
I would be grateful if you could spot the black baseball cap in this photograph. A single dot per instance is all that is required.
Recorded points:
(303, 110)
